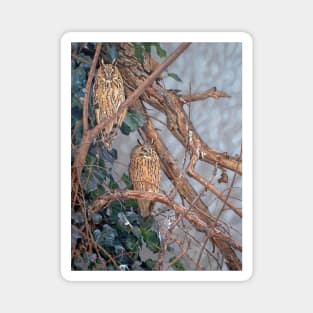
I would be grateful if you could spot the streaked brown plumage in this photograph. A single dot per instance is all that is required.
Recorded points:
(108, 95)
(145, 173)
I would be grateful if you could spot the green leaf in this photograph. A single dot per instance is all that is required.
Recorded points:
(134, 120)
(152, 240)
(131, 203)
(106, 237)
(77, 263)
(174, 76)
(113, 212)
(137, 232)
(148, 264)
(127, 181)
(119, 249)
(161, 52)
(131, 243)
(178, 266)
(110, 267)
(97, 218)
(133, 217)
(77, 132)
(147, 47)
(125, 129)
(139, 51)
(113, 184)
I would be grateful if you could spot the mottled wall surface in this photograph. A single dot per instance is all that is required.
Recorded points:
(202, 66)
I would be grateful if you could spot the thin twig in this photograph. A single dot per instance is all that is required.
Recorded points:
(88, 87)
(149, 80)
(227, 197)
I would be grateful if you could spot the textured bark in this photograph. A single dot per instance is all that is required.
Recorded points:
(141, 84)
(169, 103)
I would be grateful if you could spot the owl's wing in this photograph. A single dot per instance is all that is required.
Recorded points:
(96, 103)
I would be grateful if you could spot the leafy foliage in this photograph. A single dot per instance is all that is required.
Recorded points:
(178, 266)
(174, 76)
(140, 48)
(133, 120)
(116, 230)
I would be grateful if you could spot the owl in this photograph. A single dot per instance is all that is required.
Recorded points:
(108, 95)
(145, 173)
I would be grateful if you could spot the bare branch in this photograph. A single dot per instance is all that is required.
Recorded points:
(108, 197)
(88, 87)
(211, 93)
(191, 171)
(92, 133)
(141, 88)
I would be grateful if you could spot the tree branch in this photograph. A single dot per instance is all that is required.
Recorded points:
(91, 134)
(141, 88)
(171, 104)
(108, 197)
(88, 87)
(211, 93)
(191, 171)
(174, 173)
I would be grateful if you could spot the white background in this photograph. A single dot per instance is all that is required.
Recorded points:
(29, 128)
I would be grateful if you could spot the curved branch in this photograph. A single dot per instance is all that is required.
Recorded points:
(88, 87)
(174, 173)
(223, 241)
(211, 93)
(171, 104)
(91, 134)
(191, 171)
(110, 196)
(141, 88)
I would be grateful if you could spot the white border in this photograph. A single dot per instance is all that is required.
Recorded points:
(247, 129)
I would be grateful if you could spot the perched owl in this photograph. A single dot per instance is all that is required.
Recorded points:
(108, 95)
(145, 173)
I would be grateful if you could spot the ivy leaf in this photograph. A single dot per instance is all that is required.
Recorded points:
(78, 218)
(133, 121)
(147, 46)
(127, 181)
(137, 232)
(178, 266)
(77, 132)
(131, 203)
(97, 218)
(152, 240)
(113, 184)
(125, 129)
(174, 76)
(119, 249)
(139, 52)
(161, 52)
(89, 183)
(148, 264)
(133, 217)
(131, 243)
(105, 237)
(77, 264)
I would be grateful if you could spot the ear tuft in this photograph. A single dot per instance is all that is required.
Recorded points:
(114, 62)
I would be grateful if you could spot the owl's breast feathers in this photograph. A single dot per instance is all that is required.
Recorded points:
(108, 95)
(145, 174)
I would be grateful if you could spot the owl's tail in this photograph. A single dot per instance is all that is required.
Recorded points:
(108, 137)
(145, 207)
